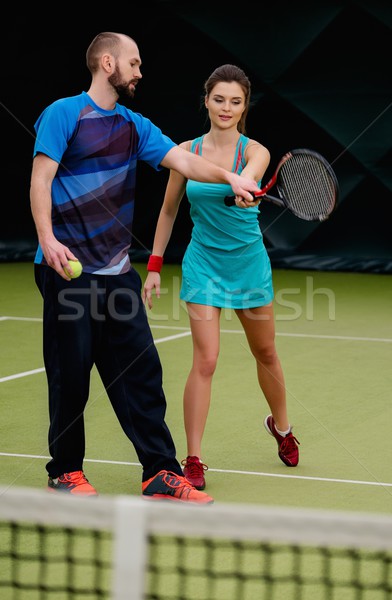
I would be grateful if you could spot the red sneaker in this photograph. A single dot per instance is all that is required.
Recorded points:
(288, 445)
(167, 485)
(73, 483)
(194, 471)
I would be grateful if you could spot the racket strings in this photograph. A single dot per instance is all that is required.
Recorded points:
(307, 186)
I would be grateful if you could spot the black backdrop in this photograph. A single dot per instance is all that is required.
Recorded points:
(321, 78)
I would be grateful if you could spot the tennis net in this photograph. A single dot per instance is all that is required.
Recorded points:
(59, 547)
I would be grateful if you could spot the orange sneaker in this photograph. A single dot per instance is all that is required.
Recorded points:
(73, 483)
(167, 485)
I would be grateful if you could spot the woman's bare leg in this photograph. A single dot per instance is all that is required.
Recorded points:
(204, 322)
(259, 327)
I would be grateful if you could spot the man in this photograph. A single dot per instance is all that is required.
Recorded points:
(82, 202)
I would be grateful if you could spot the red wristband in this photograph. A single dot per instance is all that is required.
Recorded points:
(155, 263)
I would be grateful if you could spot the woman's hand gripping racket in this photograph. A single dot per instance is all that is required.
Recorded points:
(306, 184)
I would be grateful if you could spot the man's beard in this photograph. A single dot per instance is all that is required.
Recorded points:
(120, 86)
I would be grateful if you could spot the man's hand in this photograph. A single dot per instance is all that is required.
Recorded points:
(57, 255)
(242, 186)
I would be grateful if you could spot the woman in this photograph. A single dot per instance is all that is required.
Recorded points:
(225, 266)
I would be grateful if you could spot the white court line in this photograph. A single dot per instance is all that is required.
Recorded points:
(337, 337)
(20, 319)
(231, 471)
(172, 337)
(19, 375)
(299, 335)
(40, 370)
(239, 331)
(187, 332)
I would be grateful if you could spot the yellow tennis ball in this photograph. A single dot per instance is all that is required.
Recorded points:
(76, 267)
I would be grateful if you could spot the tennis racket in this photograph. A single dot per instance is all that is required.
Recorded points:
(306, 184)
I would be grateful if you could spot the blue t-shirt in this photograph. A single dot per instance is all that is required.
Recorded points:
(93, 192)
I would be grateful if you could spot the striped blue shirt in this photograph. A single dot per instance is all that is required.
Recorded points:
(93, 192)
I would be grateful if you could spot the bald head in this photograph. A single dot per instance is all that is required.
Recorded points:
(106, 42)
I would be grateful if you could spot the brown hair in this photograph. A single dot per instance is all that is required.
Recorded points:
(105, 41)
(231, 73)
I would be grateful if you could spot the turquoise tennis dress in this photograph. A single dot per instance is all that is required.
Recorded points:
(226, 263)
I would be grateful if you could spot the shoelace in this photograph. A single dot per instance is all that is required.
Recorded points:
(176, 481)
(289, 443)
(77, 477)
(194, 467)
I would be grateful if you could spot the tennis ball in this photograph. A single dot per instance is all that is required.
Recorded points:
(76, 267)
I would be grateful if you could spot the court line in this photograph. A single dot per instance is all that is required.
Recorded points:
(225, 471)
(5, 318)
(320, 336)
(173, 337)
(24, 374)
(336, 337)
(187, 332)
(40, 370)
(316, 336)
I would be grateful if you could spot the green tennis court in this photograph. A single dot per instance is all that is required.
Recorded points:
(335, 342)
